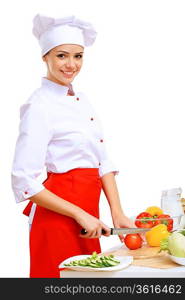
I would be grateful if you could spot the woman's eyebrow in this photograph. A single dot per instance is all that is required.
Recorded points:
(68, 52)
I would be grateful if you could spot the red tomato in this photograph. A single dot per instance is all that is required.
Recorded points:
(144, 221)
(133, 241)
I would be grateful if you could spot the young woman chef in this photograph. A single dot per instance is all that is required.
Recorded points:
(59, 129)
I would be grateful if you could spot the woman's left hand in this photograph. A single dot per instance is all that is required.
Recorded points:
(122, 221)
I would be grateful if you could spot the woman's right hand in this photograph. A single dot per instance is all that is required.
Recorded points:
(92, 225)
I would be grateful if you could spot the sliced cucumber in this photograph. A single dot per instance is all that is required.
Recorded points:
(95, 261)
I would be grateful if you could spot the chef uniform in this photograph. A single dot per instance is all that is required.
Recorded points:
(59, 130)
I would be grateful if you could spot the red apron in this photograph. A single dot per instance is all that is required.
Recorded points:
(55, 237)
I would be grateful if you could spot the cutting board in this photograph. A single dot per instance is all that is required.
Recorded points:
(144, 252)
(147, 257)
(161, 262)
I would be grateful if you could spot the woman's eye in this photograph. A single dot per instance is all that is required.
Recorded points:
(79, 56)
(60, 55)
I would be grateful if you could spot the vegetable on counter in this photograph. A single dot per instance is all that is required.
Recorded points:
(168, 222)
(133, 241)
(156, 235)
(174, 244)
(95, 261)
(149, 218)
(143, 220)
(154, 211)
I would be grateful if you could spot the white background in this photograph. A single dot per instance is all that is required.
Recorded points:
(134, 75)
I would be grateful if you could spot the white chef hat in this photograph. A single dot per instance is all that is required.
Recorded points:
(53, 32)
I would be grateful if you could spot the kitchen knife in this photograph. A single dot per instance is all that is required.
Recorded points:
(119, 231)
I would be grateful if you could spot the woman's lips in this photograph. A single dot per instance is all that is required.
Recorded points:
(68, 74)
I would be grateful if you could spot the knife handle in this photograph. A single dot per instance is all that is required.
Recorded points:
(83, 231)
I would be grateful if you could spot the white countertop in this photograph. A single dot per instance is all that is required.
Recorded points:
(128, 272)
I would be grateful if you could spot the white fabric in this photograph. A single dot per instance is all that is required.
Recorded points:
(32, 213)
(56, 131)
(52, 32)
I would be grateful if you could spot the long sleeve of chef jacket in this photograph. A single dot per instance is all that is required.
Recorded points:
(58, 132)
(30, 152)
(106, 165)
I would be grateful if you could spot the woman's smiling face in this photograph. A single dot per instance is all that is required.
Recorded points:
(64, 63)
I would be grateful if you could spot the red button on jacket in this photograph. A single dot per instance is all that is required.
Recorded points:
(101, 141)
(77, 98)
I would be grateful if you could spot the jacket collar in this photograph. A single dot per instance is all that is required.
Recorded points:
(56, 87)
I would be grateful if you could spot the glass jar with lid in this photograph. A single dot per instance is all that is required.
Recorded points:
(171, 202)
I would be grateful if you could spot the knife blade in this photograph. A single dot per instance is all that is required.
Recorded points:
(118, 231)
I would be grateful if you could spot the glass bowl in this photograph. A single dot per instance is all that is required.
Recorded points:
(178, 221)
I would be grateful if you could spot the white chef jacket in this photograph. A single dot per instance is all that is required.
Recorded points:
(58, 132)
